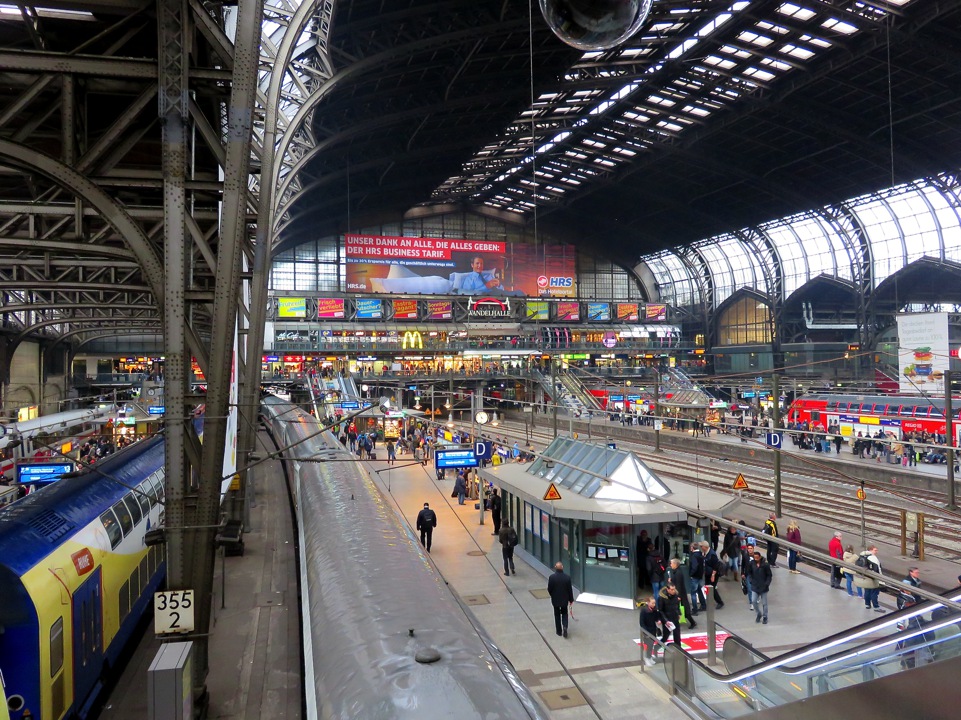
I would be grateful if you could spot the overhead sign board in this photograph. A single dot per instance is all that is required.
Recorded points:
(31, 473)
(455, 459)
(483, 449)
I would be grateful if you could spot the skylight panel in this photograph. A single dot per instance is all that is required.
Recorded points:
(637, 117)
(754, 38)
(796, 11)
(720, 62)
(658, 100)
(736, 52)
(772, 28)
(673, 127)
(776, 64)
(798, 52)
(839, 26)
(605, 162)
(762, 75)
(625, 151)
(696, 110)
(571, 181)
(820, 42)
(593, 143)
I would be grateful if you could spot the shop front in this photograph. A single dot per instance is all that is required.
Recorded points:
(608, 505)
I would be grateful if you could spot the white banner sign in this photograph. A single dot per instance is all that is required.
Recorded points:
(922, 352)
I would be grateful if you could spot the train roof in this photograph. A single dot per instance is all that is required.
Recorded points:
(32, 527)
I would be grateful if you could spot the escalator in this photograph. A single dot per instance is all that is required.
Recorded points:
(901, 665)
(559, 393)
(578, 391)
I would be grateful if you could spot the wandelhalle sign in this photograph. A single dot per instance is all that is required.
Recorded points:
(489, 307)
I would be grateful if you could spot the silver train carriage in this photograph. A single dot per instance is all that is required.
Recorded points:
(372, 601)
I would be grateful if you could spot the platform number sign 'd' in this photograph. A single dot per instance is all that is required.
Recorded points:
(552, 493)
(774, 440)
(173, 612)
(740, 483)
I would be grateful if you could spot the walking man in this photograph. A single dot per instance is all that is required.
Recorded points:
(675, 575)
(508, 540)
(561, 590)
(770, 529)
(426, 522)
(496, 511)
(713, 569)
(836, 550)
(697, 580)
(761, 577)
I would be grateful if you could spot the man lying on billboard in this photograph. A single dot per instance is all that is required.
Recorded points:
(478, 280)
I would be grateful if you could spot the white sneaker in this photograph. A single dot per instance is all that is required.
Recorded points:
(649, 662)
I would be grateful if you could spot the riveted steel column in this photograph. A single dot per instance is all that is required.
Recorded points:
(226, 292)
(172, 110)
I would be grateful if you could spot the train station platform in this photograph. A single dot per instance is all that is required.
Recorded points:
(255, 656)
(255, 668)
(596, 672)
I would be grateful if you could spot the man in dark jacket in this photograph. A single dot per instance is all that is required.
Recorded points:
(713, 569)
(656, 568)
(496, 511)
(760, 584)
(561, 590)
(669, 603)
(651, 624)
(507, 536)
(697, 579)
(675, 575)
(426, 522)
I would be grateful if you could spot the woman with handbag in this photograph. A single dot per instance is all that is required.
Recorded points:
(794, 536)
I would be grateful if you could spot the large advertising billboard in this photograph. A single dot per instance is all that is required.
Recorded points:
(441, 266)
(923, 352)
(291, 307)
(330, 308)
(368, 309)
(598, 312)
(440, 310)
(405, 309)
(568, 311)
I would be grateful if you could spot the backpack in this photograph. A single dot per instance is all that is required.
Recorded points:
(862, 561)
(512, 538)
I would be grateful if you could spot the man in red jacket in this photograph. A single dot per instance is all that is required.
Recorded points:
(836, 550)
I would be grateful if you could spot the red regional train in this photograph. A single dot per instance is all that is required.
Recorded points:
(869, 413)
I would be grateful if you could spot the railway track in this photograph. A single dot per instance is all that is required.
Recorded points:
(825, 497)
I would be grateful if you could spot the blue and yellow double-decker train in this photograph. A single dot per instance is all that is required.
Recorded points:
(75, 579)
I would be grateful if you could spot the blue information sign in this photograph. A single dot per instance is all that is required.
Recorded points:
(455, 459)
(42, 473)
(350, 405)
(155, 410)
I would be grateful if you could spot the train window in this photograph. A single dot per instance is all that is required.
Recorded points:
(133, 507)
(920, 411)
(833, 404)
(880, 408)
(112, 526)
(843, 406)
(906, 410)
(158, 484)
(124, 600)
(144, 498)
(123, 515)
(56, 647)
(151, 490)
(144, 575)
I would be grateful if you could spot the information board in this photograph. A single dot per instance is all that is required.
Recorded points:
(42, 473)
(455, 458)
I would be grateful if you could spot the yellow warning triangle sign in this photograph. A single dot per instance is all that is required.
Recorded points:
(552, 493)
(740, 483)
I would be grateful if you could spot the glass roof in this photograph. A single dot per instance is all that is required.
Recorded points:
(597, 471)
(899, 225)
(687, 64)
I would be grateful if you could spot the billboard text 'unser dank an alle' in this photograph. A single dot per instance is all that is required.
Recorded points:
(441, 266)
